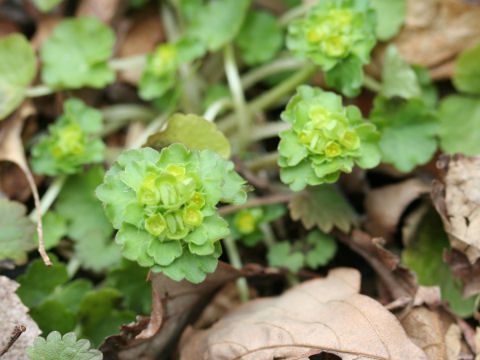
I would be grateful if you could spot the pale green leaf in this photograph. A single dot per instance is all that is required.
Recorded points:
(17, 230)
(17, 70)
(194, 132)
(56, 347)
(399, 79)
(281, 255)
(467, 71)
(390, 17)
(460, 125)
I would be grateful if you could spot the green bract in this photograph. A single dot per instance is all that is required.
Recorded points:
(336, 34)
(164, 205)
(325, 139)
(70, 144)
(76, 54)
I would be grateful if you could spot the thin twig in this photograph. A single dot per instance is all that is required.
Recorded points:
(17, 331)
(260, 201)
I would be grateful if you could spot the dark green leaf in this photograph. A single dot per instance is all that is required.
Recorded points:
(424, 256)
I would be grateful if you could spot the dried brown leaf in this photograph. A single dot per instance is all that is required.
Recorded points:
(175, 305)
(107, 11)
(318, 315)
(463, 269)
(385, 205)
(458, 202)
(11, 149)
(435, 33)
(14, 313)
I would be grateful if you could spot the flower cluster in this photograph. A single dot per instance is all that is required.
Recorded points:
(164, 205)
(333, 30)
(325, 139)
(160, 73)
(337, 35)
(70, 144)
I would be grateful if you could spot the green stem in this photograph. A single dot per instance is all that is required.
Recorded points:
(269, 237)
(294, 13)
(153, 127)
(216, 107)
(271, 97)
(49, 196)
(263, 162)
(117, 116)
(371, 84)
(274, 67)
(72, 267)
(39, 90)
(236, 262)
(241, 110)
(270, 129)
(130, 62)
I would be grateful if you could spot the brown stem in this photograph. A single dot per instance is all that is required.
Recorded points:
(17, 331)
(260, 201)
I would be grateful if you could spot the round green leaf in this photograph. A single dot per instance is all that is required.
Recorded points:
(467, 71)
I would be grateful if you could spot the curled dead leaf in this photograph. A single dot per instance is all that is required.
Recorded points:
(11, 149)
(457, 200)
(318, 315)
(385, 205)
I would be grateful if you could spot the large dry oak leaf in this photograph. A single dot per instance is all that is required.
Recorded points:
(318, 315)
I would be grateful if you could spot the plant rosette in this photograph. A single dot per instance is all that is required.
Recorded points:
(334, 30)
(164, 206)
(325, 139)
(71, 142)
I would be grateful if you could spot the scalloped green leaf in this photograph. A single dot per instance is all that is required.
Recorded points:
(322, 206)
(18, 66)
(99, 316)
(409, 131)
(71, 59)
(399, 79)
(459, 125)
(260, 38)
(217, 22)
(390, 17)
(17, 234)
(194, 132)
(324, 248)
(56, 347)
(282, 255)
(467, 71)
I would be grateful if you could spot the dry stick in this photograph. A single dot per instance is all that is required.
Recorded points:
(267, 200)
(17, 331)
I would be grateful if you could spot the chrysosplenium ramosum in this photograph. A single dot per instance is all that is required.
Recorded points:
(325, 139)
(164, 206)
(71, 142)
(337, 35)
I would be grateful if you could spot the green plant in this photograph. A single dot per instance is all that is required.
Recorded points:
(164, 206)
(325, 139)
(71, 142)
(58, 347)
(337, 35)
